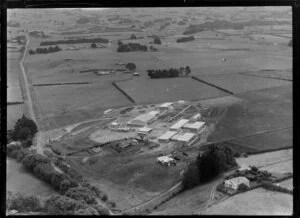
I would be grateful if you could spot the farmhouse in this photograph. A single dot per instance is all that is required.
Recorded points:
(167, 136)
(166, 160)
(166, 105)
(186, 138)
(179, 124)
(142, 120)
(194, 127)
(144, 131)
(235, 182)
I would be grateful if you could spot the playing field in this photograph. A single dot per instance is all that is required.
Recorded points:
(238, 83)
(146, 90)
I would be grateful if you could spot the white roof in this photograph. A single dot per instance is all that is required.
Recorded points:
(183, 137)
(195, 125)
(165, 159)
(145, 129)
(144, 117)
(108, 110)
(179, 124)
(153, 112)
(114, 123)
(167, 104)
(167, 135)
(196, 116)
(238, 180)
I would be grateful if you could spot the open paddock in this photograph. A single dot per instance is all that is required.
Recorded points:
(287, 184)
(146, 90)
(14, 112)
(283, 167)
(256, 114)
(255, 202)
(237, 83)
(274, 74)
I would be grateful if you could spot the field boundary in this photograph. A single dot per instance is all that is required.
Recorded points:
(215, 86)
(123, 92)
(15, 103)
(268, 77)
(59, 84)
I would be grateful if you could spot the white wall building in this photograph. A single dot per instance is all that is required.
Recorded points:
(179, 124)
(184, 137)
(142, 120)
(166, 160)
(144, 131)
(166, 105)
(235, 182)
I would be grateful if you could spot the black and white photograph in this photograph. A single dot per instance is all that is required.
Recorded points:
(150, 111)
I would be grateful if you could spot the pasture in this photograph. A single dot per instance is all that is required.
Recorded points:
(255, 202)
(256, 114)
(146, 90)
(14, 112)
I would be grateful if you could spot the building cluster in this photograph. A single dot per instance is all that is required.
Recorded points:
(235, 182)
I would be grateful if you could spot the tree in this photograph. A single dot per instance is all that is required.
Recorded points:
(130, 66)
(23, 202)
(27, 143)
(101, 210)
(157, 40)
(133, 36)
(191, 177)
(87, 211)
(242, 187)
(20, 131)
(93, 45)
(120, 43)
(81, 193)
(31, 52)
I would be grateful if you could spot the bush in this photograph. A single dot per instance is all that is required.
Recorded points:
(130, 66)
(87, 211)
(157, 40)
(24, 202)
(24, 128)
(27, 143)
(93, 45)
(12, 150)
(242, 187)
(81, 193)
(101, 210)
(62, 205)
(185, 39)
(67, 184)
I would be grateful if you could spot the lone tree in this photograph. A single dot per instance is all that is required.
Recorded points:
(120, 43)
(93, 45)
(24, 128)
(130, 66)
(133, 36)
(157, 40)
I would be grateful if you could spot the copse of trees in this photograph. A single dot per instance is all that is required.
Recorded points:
(185, 39)
(93, 45)
(133, 36)
(45, 50)
(75, 41)
(131, 47)
(23, 202)
(169, 73)
(209, 165)
(157, 41)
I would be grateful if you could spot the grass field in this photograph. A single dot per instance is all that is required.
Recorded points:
(257, 114)
(287, 184)
(266, 141)
(238, 83)
(14, 112)
(284, 167)
(266, 159)
(275, 74)
(256, 202)
(146, 90)
(19, 180)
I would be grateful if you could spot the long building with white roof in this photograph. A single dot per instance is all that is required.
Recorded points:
(184, 137)
(167, 136)
(195, 126)
(179, 124)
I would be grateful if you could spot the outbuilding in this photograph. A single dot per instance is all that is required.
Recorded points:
(166, 105)
(142, 120)
(166, 160)
(195, 126)
(186, 138)
(144, 131)
(235, 182)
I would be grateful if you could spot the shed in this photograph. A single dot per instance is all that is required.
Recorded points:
(166, 105)
(144, 130)
(142, 120)
(166, 160)
(179, 124)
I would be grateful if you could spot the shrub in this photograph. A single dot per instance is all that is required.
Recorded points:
(27, 143)
(101, 210)
(24, 128)
(93, 45)
(81, 193)
(62, 205)
(130, 66)
(87, 211)
(242, 187)
(157, 40)
(12, 150)
(24, 202)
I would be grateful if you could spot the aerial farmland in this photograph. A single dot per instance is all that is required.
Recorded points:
(223, 79)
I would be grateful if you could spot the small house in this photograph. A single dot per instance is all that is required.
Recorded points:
(166, 160)
(235, 182)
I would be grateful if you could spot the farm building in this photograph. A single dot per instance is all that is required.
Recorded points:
(96, 149)
(235, 182)
(167, 136)
(184, 137)
(166, 160)
(166, 105)
(179, 124)
(195, 126)
(144, 131)
(196, 117)
(142, 120)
